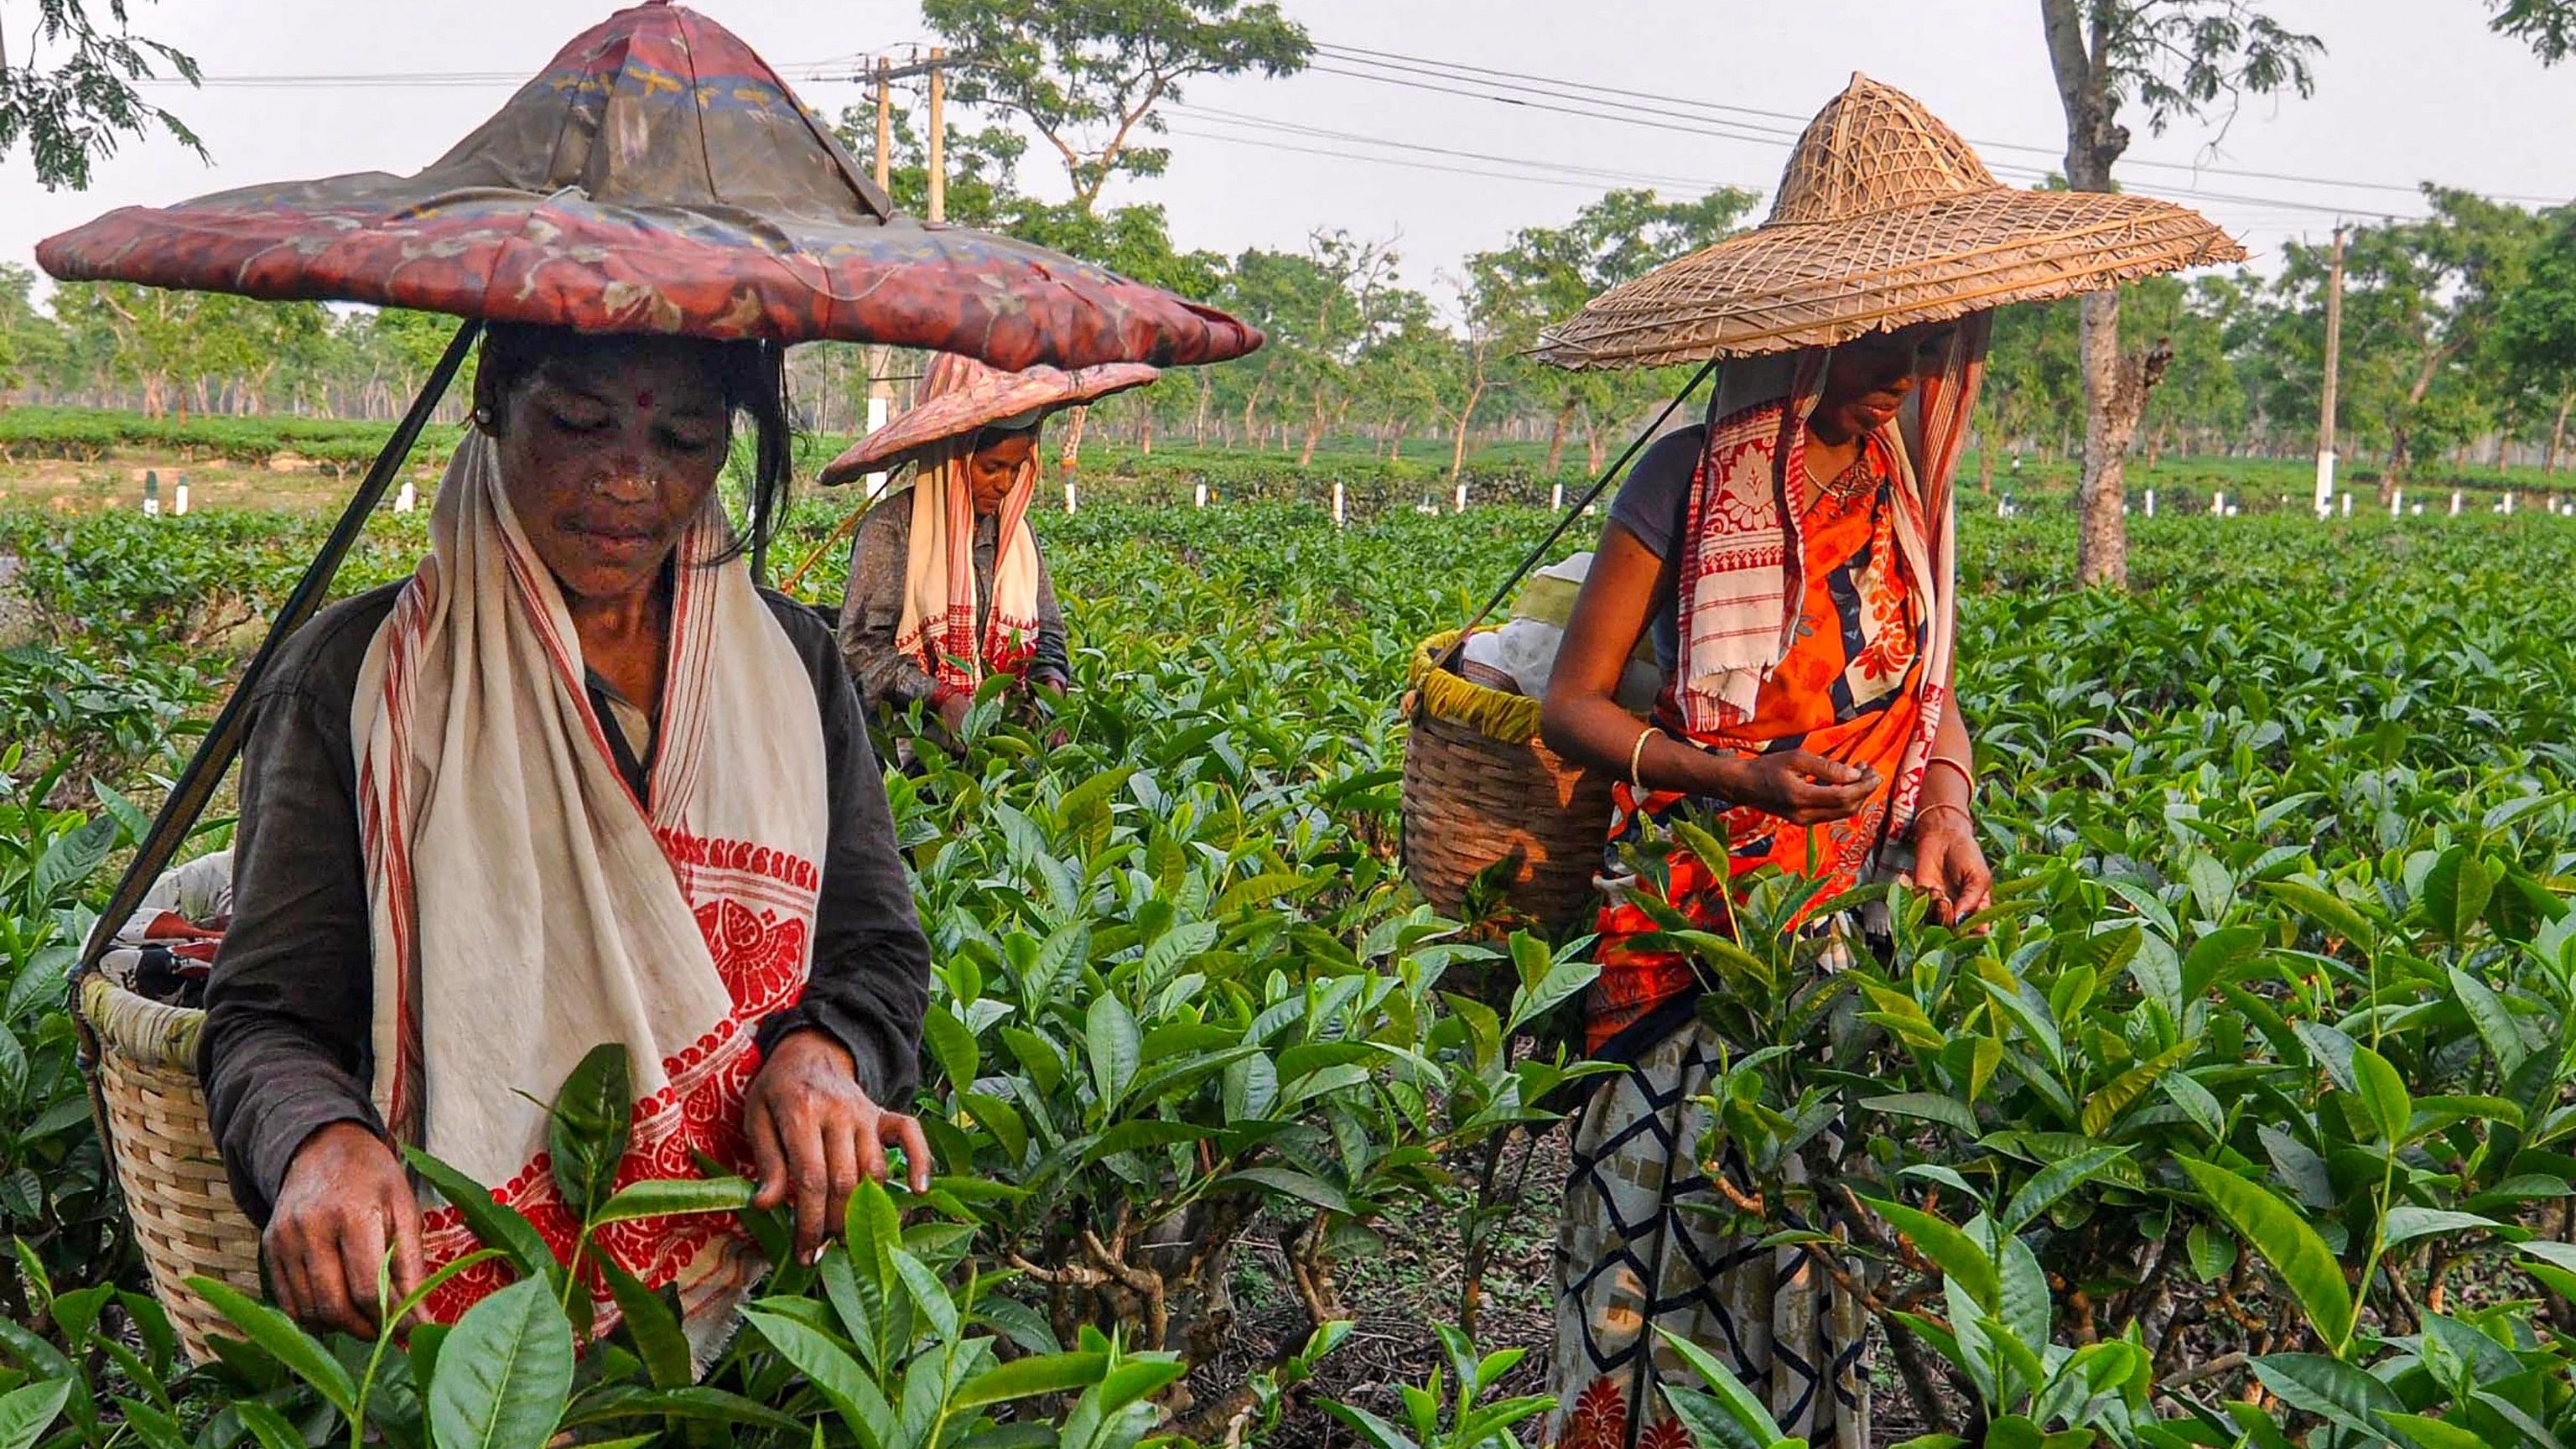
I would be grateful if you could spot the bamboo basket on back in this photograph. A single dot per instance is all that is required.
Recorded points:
(1483, 794)
(152, 1113)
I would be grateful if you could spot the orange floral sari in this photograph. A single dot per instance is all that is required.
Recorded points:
(1848, 688)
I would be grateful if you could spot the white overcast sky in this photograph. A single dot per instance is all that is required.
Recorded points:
(2408, 91)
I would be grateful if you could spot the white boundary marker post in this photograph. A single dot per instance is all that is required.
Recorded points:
(1462, 497)
(408, 499)
(1198, 492)
(2151, 503)
(2508, 503)
(2347, 504)
(2396, 502)
(1341, 513)
(2455, 503)
(179, 496)
(1556, 498)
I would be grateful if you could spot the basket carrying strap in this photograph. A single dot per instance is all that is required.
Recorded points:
(223, 740)
(1617, 466)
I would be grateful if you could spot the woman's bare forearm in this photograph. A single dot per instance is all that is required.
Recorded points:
(1582, 719)
(1592, 729)
(1943, 785)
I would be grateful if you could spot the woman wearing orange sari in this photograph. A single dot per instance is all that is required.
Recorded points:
(1794, 562)
(1791, 560)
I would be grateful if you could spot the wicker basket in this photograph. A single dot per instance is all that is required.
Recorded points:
(1480, 789)
(153, 1114)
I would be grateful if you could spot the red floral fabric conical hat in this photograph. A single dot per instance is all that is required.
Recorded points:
(962, 397)
(658, 176)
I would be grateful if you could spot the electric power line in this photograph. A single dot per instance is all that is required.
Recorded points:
(1580, 99)
(1650, 121)
(1461, 70)
(1271, 124)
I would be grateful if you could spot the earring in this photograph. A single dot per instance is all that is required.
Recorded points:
(483, 418)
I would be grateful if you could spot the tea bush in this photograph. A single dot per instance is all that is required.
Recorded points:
(2242, 1119)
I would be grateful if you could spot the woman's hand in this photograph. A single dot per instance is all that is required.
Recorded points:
(1045, 698)
(345, 1201)
(1799, 786)
(814, 1132)
(952, 709)
(1949, 867)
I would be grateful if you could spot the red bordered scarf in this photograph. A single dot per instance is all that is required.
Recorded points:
(527, 906)
(1743, 558)
(938, 624)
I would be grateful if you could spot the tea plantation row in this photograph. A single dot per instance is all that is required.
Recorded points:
(2242, 1119)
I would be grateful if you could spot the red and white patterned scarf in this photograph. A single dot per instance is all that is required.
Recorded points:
(527, 906)
(938, 624)
(1743, 558)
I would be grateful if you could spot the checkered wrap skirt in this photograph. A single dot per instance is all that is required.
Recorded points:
(1633, 1256)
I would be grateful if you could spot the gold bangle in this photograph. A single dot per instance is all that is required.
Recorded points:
(1637, 755)
(1925, 812)
(1965, 778)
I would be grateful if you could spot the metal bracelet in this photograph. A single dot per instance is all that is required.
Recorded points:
(1637, 755)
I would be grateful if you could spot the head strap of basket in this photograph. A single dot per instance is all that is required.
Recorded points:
(1884, 218)
(656, 176)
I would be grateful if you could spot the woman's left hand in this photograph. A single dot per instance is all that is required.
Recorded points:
(814, 1132)
(1950, 868)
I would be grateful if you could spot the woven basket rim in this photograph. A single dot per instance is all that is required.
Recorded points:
(1450, 696)
(152, 1033)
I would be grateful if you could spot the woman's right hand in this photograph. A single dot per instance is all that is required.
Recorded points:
(345, 1201)
(952, 713)
(1799, 786)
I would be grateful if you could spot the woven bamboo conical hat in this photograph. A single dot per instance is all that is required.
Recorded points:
(1884, 218)
(657, 176)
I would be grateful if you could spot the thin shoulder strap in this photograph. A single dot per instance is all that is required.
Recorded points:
(223, 740)
(1546, 545)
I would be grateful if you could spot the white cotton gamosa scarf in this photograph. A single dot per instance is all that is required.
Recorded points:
(526, 906)
(939, 624)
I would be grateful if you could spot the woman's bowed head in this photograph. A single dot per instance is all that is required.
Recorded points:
(995, 465)
(595, 458)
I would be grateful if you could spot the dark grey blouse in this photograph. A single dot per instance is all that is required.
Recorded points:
(874, 608)
(289, 1007)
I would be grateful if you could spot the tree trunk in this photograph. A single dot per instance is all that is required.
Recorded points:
(1069, 456)
(1556, 439)
(2558, 432)
(2115, 390)
(1314, 434)
(1595, 447)
(1145, 436)
(1458, 446)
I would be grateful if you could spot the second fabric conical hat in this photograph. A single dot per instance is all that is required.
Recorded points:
(1884, 218)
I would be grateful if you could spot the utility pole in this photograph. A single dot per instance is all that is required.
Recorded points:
(938, 207)
(2334, 360)
(885, 125)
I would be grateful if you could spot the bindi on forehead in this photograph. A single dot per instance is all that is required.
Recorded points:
(644, 398)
